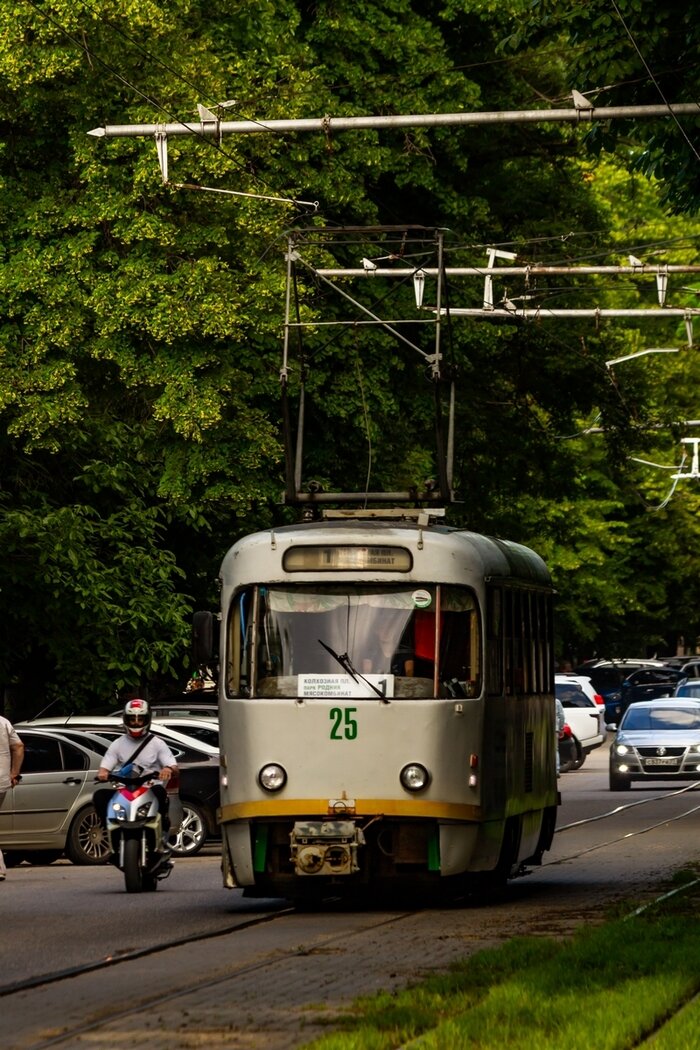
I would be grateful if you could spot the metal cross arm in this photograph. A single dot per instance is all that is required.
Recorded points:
(537, 313)
(328, 124)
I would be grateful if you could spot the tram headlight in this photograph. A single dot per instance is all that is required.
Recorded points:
(272, 777)
(414, 777)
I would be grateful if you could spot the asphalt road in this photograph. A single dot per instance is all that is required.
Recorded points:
(276, 978)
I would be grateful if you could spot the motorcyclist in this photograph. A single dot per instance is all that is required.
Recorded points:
(154, 755)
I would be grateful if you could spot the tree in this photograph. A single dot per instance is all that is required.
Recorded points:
(632, 52)
(140, 323)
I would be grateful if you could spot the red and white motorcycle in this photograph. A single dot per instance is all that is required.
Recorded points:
(135, 832)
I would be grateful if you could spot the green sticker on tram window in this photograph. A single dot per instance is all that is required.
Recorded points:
(421, 599)
(344, 725)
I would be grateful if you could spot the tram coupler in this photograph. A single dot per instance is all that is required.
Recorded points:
(325, 847)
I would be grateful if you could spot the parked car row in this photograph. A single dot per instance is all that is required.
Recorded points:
(625, 682)
(50, 813)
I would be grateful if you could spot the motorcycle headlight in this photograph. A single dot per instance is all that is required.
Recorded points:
(272, 777)
(143, 810)
(414, 777)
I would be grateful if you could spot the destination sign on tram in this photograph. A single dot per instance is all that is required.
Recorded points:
(341, 686)
(347, 559)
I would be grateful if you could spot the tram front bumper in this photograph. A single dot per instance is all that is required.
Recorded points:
(325, 847)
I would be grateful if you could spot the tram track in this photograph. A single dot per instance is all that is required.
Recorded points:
(114, 1014)
(630, 834)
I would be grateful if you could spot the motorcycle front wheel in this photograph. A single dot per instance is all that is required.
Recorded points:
(135, 878)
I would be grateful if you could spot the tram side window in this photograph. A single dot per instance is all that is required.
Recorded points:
(518, 642)
(513, 643)
(494, 641)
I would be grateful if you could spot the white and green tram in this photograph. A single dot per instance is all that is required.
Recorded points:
(386, 708)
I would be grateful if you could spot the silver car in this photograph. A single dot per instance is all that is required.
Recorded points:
(656, 740)
(50, 811)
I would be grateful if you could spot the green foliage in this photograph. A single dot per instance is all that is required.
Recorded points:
(633, 53)
(141, 323)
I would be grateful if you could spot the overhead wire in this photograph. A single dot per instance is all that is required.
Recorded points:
(653, 79)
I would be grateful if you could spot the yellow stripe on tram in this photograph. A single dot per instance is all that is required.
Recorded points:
(363, 808)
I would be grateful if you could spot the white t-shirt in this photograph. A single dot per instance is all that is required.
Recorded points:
(8, 736)
(153, 757)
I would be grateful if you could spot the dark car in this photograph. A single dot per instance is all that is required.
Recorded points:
(607, 677)
(648, 683)
(199, 794)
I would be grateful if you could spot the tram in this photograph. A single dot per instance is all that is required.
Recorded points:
(386, 707)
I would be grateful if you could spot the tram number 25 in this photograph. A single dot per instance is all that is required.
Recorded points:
(344, 724)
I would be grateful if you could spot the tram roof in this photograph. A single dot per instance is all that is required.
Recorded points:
(492, 557)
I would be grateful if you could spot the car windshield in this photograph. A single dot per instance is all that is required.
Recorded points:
(666, 718)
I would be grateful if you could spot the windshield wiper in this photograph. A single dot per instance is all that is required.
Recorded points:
(346, 663)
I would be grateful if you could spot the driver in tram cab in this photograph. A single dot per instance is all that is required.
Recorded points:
(147, 752)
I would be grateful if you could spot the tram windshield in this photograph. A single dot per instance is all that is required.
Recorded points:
(337, 640)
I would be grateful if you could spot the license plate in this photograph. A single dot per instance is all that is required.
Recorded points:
(661, 762)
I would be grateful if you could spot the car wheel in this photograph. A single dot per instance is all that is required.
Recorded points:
(566, 767)
(618, 782)
(580, 756)
(87, 840)
(193, 831)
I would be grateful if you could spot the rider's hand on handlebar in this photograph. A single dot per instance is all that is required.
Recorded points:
(165, 774)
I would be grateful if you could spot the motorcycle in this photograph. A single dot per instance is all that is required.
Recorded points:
(135, 832)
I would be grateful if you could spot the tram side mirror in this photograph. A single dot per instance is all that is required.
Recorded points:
(202, 638)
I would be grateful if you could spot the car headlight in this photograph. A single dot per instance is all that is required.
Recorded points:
(272, 777)
(694, 749)
(621, 749)
(414, 776)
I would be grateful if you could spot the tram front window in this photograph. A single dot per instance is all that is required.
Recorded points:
(354, 640)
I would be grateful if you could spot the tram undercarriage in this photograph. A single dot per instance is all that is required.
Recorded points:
(299, 858)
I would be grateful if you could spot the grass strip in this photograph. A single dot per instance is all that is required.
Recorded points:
(612, 987)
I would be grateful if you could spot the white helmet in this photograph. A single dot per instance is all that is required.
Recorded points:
(137, 718)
